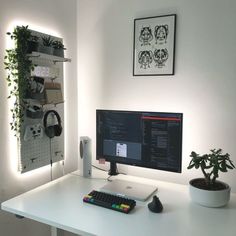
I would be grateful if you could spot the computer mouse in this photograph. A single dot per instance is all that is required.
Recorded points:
(155, 205)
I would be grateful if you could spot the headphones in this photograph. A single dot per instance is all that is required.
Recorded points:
(52, 130)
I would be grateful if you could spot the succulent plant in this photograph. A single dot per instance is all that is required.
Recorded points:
(211, 164)
(47, 41)
(58, 45)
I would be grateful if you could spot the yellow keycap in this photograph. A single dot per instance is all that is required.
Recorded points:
(125, 206)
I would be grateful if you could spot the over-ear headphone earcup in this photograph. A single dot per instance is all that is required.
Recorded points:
(50, 131)
(57, 130)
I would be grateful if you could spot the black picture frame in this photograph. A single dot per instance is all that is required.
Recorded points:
(154, 45)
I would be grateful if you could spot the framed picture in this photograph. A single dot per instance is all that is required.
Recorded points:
(154, 45)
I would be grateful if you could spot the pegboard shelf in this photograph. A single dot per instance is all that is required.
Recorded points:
(48, 57)
(43, 103)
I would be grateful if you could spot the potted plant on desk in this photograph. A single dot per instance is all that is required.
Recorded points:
(208, 191)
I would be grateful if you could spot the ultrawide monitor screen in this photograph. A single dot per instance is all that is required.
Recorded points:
(146, 139)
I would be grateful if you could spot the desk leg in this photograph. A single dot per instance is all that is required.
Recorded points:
(56, 232)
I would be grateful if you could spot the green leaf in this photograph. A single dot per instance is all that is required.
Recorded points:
(231, 163)
(191, 166)
(229, 167)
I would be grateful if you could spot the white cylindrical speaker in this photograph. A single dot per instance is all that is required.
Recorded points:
(85, 156)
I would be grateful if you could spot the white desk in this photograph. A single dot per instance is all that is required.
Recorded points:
(59, 204)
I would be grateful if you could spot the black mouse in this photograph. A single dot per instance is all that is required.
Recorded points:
(155, 205)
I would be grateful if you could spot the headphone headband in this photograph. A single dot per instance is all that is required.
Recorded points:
(46, 117)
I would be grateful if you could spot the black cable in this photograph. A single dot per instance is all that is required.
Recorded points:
(63, 167)
(99, 168)
(108, 178)
(107, 170)
(51, 156)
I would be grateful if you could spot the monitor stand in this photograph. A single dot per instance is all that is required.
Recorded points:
(113, 169)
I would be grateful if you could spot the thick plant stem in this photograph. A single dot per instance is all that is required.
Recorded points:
(207, 176)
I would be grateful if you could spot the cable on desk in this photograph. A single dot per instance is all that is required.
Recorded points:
(120, 173)
(107, 170)
(51, 157)
(108, 178)
(63, 167)
(99, 168)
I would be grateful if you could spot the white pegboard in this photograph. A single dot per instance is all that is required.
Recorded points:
(37, 152)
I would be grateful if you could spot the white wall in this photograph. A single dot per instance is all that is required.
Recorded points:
(56, 17)
(203, 87)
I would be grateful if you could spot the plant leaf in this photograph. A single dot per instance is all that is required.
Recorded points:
(191, 166)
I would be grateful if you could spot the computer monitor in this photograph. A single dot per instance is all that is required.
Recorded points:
(146, 139)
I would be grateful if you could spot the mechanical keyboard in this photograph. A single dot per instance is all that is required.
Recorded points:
(110, 201)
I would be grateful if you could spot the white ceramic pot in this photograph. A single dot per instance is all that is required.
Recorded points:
(209, 198)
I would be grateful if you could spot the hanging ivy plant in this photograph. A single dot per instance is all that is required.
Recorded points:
(18, 66)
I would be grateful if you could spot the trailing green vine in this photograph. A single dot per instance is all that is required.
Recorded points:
(18, 66)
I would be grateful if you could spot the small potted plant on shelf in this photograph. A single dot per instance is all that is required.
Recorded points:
(33, 44)
(208, 191)
(58, 48)
(47, 45)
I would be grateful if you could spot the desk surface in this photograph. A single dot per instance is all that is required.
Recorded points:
(59, 204)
